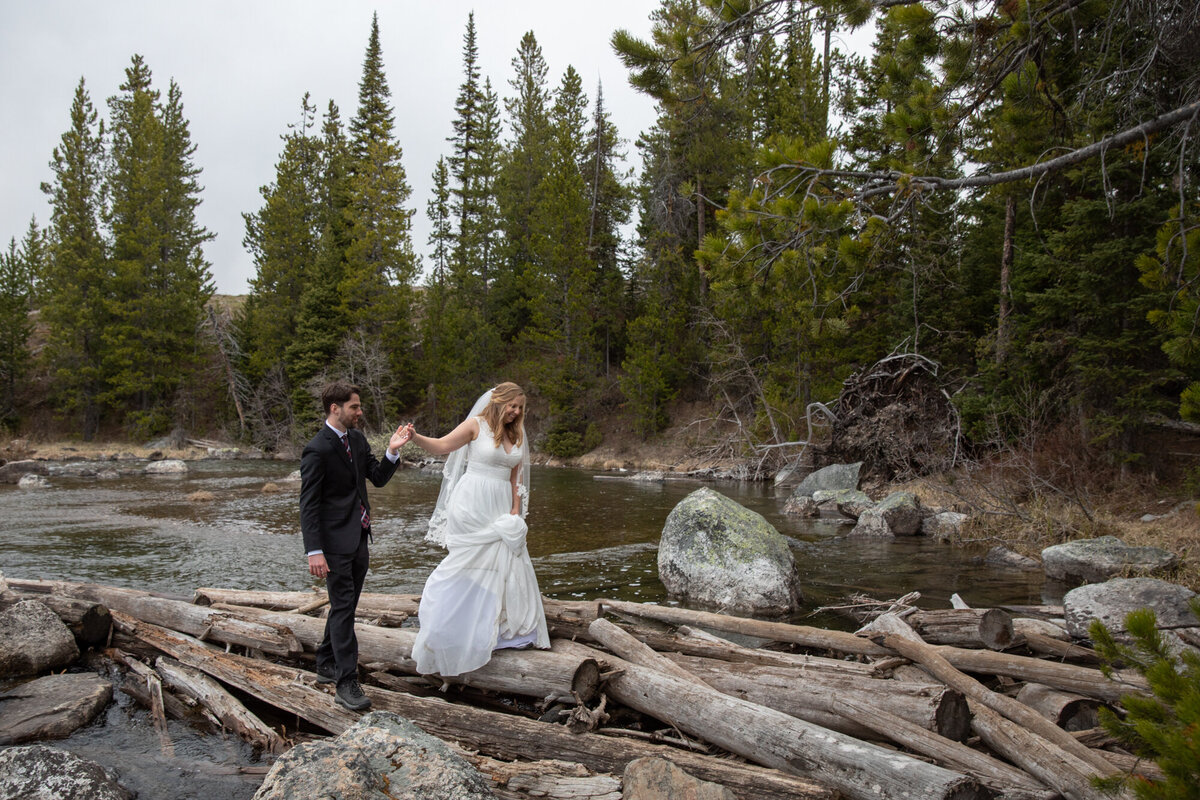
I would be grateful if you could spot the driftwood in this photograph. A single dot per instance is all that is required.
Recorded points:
(629, 648)
(1071, 712)
(810, 694)
(1066, 677)
(1039, 746)
(137, 682)
(221, 704)
(497, 735)
(548, 778)
(990, 628)
(537, 673)
(856, 769)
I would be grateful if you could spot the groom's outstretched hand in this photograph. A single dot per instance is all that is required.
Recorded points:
(400, 438)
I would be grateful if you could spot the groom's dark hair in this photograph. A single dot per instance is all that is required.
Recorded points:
(338, 393)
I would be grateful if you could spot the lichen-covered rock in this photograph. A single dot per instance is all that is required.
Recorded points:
(835, 476)
(944, 527)
(871, 523)
(52, 707)
(380, 757)
(902, 510)
(651, 778)
(1111, 601)
(38, 772)
(851, 502)
(32, 481)
(1097, 560)
(718, 553)
(168, 466)
(33, 639)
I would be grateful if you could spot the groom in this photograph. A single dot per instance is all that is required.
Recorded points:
(335, 520)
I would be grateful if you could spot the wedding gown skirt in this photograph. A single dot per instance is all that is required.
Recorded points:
(484, 595)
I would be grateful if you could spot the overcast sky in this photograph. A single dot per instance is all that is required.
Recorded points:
(244, 65)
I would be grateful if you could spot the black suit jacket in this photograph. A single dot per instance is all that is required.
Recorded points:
(331, 489)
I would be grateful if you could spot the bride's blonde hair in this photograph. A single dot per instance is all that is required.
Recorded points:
(502, 395)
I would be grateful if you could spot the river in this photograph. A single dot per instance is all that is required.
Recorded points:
(590, 536)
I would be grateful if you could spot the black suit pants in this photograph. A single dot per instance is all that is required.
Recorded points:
(339, 646)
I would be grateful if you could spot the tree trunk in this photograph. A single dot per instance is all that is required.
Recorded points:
(1071, 712)
(1006, 260)
(858, 770)
(1075, 765)
(220, 703)
(988, 628)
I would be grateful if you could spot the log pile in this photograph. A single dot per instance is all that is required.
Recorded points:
(789, 711)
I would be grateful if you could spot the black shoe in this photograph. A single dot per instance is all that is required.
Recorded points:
(326, 675)
(350, 695)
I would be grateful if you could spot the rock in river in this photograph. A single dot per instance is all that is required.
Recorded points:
(52, 707)
(1111, 601)
(38, 772)
(1096, 560)
(33, 639)
(380, 757)
(718, 553)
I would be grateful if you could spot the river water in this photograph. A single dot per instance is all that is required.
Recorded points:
(590, 536)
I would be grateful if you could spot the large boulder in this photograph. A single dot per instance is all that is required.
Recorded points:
(380, 757)
(33, 639)
(38, 772)
(902, 510)
(1097, 560)
(14, 470)
(801, 506)
(1001, 556)
(52, 707)
(851, 502)
(717, 553)
(1111, 601)
(652, 778)
(835, 476)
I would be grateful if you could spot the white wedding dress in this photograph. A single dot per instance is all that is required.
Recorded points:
(484, 595)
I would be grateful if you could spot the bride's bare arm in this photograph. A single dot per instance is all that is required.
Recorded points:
(467, 430)
(514, 479)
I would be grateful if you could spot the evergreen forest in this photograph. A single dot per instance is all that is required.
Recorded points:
(1007, 189)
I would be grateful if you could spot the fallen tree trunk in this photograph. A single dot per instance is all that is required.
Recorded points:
(992, 772)
(530, 672)
(221, 704)
(1074, 765)
(1066, 677)
(629, 648)
(856, 769)
(497, 735)
(810, 695)
(1068, 711)
(988, 628)
(136, 682)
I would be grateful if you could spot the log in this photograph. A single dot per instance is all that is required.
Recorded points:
(1057, 648)
(549, 778)
(810, 695)
(630, 649)
(1071, 712)
(136, 682)
(1075, 764)
(531, 672)
(988, 628)
(1067, 677)
(221, 704)
(1048, 763)
(496, 735)
(992, 772)
(856, 769)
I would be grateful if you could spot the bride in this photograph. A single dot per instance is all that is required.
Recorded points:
(484, 595)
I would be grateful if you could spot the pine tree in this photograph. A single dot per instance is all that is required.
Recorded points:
(524, 165)
(160, 279)
(380, 265)
(77, 275)
(14, 330)
(561, 278)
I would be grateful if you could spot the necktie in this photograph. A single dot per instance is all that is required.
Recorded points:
(364, 515)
